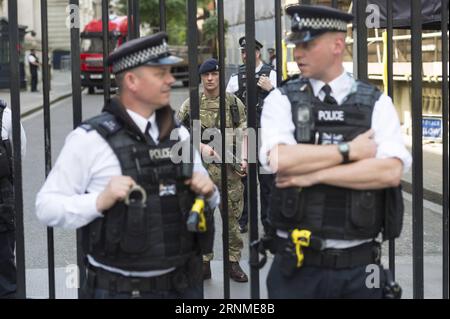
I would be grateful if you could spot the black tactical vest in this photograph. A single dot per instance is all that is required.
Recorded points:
(135, 238)
(34, 68)
(242, 82)
(327, 211)
(7, 220)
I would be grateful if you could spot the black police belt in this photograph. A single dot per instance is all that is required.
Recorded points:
(361, 255)
(302, 248)
(99, 278)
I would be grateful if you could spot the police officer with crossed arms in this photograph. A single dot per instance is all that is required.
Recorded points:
(336, 146)
(117, 180)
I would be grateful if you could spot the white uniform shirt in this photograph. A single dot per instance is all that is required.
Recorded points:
(233, 84)
(7, 130)
(278, 128)
(274, 64)
(83, 169)
(31, 59)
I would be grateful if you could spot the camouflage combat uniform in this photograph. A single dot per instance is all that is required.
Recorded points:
(210, 118)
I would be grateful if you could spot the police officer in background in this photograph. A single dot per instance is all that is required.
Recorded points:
(336, 146)
(266, 79)
(34, 64)
(7, 216)
(272, 58)
(116, 180)
(210, 121)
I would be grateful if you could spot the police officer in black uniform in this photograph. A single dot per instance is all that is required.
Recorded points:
(34, 64)
(7, 216)
(266, 79)
(119, 179)
(336, 146)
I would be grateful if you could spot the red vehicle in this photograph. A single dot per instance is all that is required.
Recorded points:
(91, 50)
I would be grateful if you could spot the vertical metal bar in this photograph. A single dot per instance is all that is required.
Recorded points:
(131, 20)
(14, 53)
(137, 19)
(252, 124)
(47, 140)
(390, 92)
(77, 112)
(75, 57)
(278, 39)
(361, 38)
(224, 176)
(334, 3)
(445, 188)
(193, 74)
(162, 15)
(417, 170)
(106, 37)
(193, 65)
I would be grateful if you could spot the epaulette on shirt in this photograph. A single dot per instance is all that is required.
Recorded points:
(105, 124)
(293, 83)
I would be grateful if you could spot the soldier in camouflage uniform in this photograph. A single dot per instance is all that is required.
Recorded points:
(210, 119)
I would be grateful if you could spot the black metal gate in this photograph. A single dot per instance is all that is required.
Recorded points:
(359, 9)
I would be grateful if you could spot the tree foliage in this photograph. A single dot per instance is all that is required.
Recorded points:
(176, 17)
(210, 28)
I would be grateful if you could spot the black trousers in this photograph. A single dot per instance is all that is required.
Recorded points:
(34, 79)
(322, 283)
(7, 264)
(265, 186)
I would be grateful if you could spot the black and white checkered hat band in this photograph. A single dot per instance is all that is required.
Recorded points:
(140, 57)
(317, 24)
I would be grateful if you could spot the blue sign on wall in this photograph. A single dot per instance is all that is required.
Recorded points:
(432, 127)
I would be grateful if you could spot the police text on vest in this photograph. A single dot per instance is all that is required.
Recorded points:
(328, 116)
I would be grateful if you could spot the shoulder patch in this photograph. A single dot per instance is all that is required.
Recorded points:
(110, 125)
(86, 127)
(105, 124)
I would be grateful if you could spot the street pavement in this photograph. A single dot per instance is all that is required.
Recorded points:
(65, 250)
(30, 102)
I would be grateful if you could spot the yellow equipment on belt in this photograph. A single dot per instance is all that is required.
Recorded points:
(197, 221)
(300, 238)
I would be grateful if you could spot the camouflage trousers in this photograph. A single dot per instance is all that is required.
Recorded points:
(235, 205)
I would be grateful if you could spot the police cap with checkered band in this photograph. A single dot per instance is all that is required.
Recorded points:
(243, 44)
(311, 21)
(150, 50)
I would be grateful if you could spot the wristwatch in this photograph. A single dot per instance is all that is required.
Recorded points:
(344, 149)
